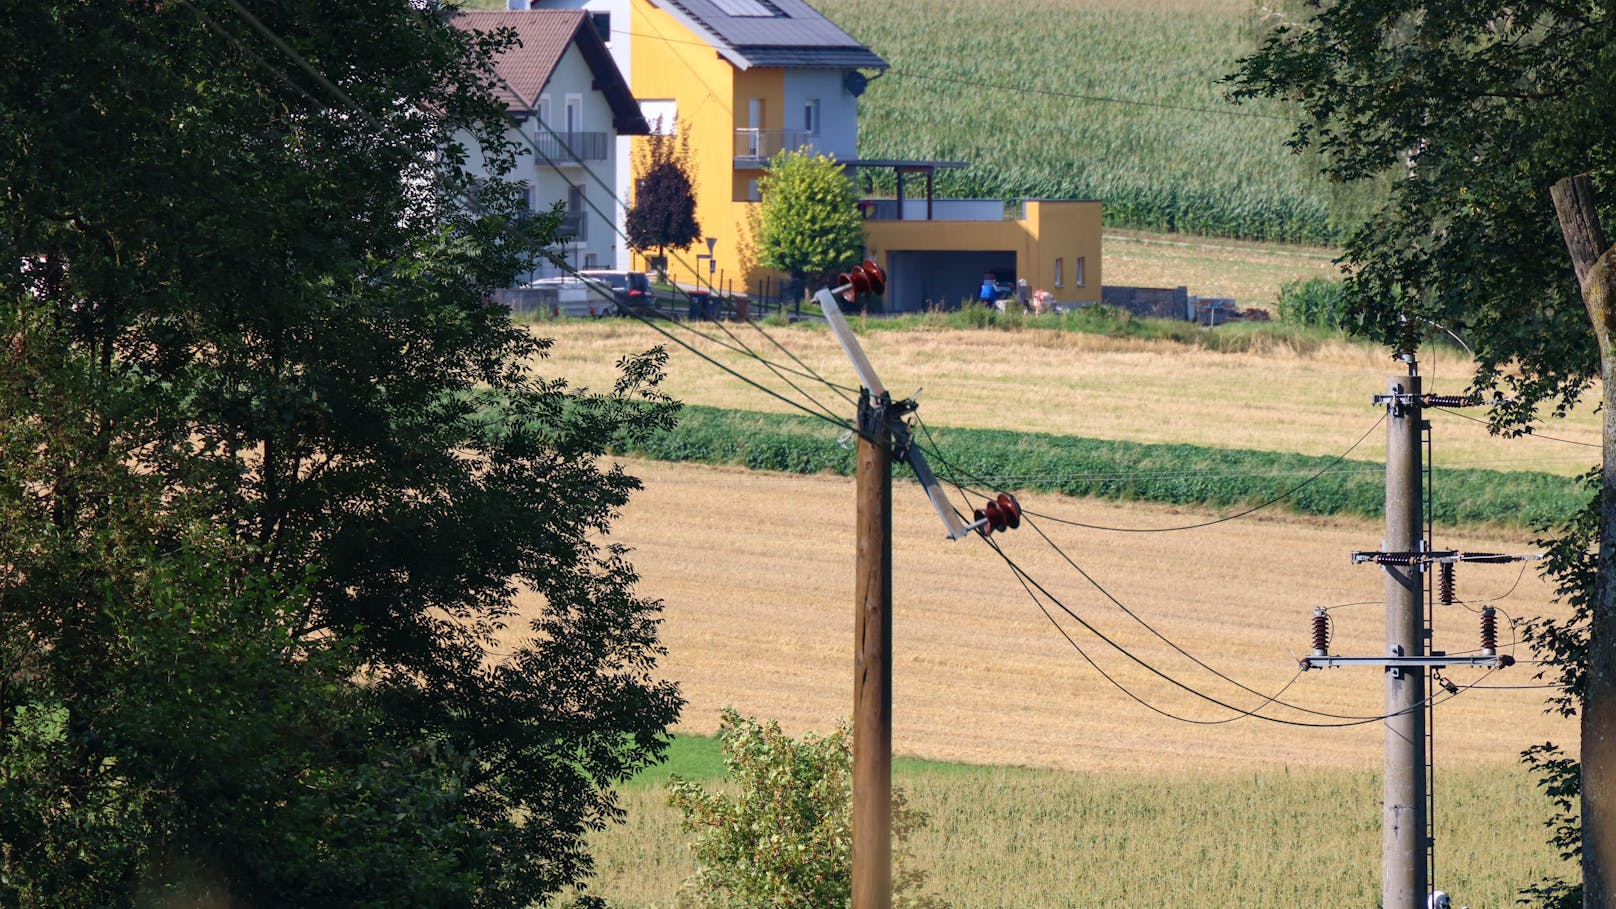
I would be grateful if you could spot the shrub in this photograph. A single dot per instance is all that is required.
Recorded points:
(782, 836)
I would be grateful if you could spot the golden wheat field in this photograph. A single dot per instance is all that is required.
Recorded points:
(1314, 401)
(756, 571)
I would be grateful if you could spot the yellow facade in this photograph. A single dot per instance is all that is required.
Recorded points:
(673, 63)
(1056, 247)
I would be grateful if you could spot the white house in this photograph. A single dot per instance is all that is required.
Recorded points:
(568, 103)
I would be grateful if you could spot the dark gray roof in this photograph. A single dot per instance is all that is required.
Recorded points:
(798, 37)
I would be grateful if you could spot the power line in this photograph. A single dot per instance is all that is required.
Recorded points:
(1241, 712)
(936, 452)
(1528, 434)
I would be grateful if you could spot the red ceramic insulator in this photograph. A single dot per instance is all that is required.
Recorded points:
(877, 277)
(1010, 508)
(1321, 632)
(1444, 584)
(1489, 630)
(986, 526)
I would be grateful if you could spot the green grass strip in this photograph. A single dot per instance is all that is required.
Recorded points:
(1217, 478)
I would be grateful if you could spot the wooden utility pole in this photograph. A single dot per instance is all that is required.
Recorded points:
(1595, 266)
(1403, 807)
(872, 660)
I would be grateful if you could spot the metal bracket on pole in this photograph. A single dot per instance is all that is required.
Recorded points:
(1435, 661)
(891, 413)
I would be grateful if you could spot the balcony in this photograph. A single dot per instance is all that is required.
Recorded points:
(572, 148)
(754, 147)
(937, 210)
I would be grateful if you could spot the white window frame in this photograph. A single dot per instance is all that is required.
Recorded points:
(811, 116)
(544, 111)
(1059, 262)
(1078, 278)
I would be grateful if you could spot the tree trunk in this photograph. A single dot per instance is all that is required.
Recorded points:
(1596, 274)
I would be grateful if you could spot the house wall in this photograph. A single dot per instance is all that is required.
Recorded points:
(1068, 231)
(670, 61)
(599, 178)
(619, 43)
(838, 110)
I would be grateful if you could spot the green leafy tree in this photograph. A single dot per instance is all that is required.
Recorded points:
(1476, 111)
(781, 834)
(663, 215)
(303, 599)
(807, 222)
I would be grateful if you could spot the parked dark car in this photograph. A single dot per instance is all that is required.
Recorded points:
(632, 289)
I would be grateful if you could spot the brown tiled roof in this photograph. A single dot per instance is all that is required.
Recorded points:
(545, 35)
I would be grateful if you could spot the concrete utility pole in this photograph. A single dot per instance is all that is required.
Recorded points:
(872, 660)
(1403, 806)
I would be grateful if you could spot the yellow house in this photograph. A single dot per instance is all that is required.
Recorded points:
(748, 78)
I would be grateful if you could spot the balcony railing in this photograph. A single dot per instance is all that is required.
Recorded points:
(569, 148)
(755, 146)
(939, 210)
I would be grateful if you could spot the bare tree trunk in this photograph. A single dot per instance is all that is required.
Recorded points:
(1595, 266)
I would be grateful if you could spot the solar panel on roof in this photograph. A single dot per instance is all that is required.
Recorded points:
(761, 9)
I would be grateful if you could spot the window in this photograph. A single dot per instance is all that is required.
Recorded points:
(1058, 263)
(576, 221)
(603, 25)
(810, 117)
(1077, 272)
(530, 199)
(591, 260)
(574, 114)
(752, 193)
(544, 110)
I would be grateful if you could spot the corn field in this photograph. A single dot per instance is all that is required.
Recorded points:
(1179, 158)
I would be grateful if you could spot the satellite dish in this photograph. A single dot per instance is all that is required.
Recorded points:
(855, 82)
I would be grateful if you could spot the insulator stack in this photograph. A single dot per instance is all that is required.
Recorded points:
(1489, 631)
(1002, 513)
(1449, 401)
(1321, 632)
(1444, 584)
(1408, 341)
(1396, 558)
(868, 278)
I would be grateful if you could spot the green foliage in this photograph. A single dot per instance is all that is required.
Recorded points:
(781, 836)
(1316, 301)
(807, 222)
(1175, 474)
(1020, 91)
(272, 473)
(663, 215)
(1475, 110)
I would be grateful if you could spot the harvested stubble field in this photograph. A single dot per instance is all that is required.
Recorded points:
(756, 573)
(1082, 797)
(1313, 401)
(1112, 804)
